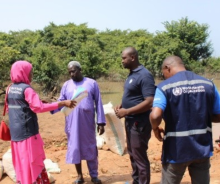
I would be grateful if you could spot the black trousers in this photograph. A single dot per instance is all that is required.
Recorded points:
(138, 135)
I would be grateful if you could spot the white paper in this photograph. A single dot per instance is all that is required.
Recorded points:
(78, 95)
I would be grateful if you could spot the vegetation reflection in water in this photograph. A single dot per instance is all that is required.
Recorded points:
(113, 91)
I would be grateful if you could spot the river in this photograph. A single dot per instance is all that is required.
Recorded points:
(113, 91)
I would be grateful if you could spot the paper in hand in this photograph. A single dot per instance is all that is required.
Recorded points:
(78, 94)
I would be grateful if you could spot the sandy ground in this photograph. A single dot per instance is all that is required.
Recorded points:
(113, 169)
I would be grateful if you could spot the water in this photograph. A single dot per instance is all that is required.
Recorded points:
(217, 84)
(113, 91)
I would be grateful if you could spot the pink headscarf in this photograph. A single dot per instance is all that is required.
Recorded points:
(20, 72)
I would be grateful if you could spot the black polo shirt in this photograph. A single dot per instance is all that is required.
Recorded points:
(138, 85)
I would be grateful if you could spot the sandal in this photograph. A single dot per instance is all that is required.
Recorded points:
(95, 180)
(79, 181)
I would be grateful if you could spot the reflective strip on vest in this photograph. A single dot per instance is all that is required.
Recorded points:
(14, 106)
(192, 82)
(187, 133)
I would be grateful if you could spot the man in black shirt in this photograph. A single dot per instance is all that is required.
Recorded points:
(139, 90)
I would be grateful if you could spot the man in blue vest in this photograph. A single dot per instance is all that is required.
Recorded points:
(189, 104)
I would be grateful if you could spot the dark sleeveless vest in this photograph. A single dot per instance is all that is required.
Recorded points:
(187, 117)
(22, 120)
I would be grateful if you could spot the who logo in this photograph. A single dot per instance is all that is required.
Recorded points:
(177, 91)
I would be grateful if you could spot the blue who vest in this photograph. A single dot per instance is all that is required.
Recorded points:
(22, 120)
(188, 125)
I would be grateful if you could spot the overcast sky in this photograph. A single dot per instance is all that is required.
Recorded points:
(17, 15)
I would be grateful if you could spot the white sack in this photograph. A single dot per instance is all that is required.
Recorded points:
(114, 136)
(1, 169)
(99, 141)
(51, 167)
(8, 165)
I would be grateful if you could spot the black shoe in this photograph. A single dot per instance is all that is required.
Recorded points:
(79, 181)
(95, 180)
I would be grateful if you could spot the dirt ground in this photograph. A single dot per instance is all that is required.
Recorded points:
(113, 169)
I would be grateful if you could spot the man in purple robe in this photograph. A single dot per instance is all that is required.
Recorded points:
(80, 125)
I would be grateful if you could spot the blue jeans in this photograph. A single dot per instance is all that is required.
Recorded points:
(198, 171)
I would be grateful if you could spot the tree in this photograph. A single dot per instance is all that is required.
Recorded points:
(183, 38)
(91, 58)
(99, 52)
(213, 67)
(8, 55)
(192, 36)
(46, 68)
(25, 41)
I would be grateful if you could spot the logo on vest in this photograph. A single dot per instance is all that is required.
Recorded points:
(130, 81)
(17, 90)
(177, 91)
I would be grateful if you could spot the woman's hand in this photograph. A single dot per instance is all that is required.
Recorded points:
(67, 103)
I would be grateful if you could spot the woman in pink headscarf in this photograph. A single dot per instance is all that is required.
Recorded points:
(26, 143)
